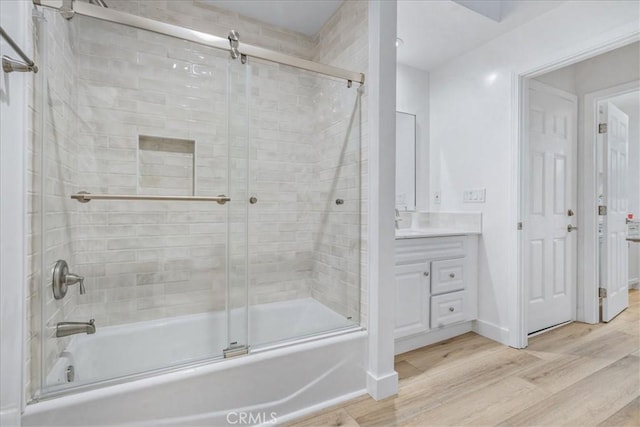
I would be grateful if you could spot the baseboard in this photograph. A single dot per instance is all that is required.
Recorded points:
(412, 342)
(10, 417)
(491, 331)
(382, 387)
(315, 408)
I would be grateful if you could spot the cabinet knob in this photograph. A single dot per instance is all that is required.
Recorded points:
(452, 275)
(426, 273)
(451, 309)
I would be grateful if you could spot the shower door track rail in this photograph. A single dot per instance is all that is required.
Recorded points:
(69, 8)
(83, 197)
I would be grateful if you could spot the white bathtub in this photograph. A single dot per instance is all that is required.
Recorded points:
(276, 384)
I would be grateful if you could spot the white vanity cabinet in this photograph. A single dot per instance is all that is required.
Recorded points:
(436, 289)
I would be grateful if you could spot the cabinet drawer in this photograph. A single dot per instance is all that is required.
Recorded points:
(448, 308)
(447, 276)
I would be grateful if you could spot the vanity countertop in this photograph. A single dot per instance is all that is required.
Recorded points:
(411, 233)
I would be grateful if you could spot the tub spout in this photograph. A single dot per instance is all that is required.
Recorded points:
(64, 329)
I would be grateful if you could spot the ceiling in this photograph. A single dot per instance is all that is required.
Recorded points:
(437, 31)
(303, 16)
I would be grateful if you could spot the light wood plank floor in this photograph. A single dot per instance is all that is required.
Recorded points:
(578, 375)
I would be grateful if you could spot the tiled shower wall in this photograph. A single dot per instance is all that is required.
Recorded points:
(129, 89)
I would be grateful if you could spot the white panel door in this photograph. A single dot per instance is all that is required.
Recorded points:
(549, 245)
(615, 274)
(412, 299)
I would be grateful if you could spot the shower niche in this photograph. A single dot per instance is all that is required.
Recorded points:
(166, 166)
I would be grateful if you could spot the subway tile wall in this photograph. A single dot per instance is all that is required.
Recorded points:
(303, 135)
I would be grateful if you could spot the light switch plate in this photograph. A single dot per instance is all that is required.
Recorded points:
(474, 195)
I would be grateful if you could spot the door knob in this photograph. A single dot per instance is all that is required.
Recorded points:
(570, 228)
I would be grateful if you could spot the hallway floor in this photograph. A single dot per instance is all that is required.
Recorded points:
(577, 375)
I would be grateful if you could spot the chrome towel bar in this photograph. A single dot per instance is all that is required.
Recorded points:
(84, 197)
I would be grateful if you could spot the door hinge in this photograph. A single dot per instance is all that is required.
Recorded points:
(602, 292)
(602, 128)
(602, 210)
(519, 226)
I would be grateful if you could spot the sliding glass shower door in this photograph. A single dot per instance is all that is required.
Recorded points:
(204, 207)
(237, 211)
(155, 130)
(304, 204)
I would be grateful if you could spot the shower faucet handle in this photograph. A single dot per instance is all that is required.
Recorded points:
(62, 279)
(72, 279)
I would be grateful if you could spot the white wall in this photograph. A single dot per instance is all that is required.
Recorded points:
(412, 96)
(13, 138)
(474, 134)
(600, 72)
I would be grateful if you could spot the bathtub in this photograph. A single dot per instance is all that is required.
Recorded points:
(279, 380)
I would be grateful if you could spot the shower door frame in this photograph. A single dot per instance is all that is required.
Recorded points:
(86, 9)
(122, 18)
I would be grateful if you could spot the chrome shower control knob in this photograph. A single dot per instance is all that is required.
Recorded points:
(62, 279)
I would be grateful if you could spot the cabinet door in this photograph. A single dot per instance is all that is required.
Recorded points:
(412, 299)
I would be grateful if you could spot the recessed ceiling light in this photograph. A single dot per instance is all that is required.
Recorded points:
(399, 42)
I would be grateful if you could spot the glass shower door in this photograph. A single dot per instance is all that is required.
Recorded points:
(304, 205)
(238, 78)
(142, 122)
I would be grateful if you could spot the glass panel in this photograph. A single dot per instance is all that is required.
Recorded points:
(237, 283)
(132, 112)
(304, 230)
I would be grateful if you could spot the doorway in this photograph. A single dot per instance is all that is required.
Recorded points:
(552, 230)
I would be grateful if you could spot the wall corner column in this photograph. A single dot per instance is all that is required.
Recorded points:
(382, 380)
